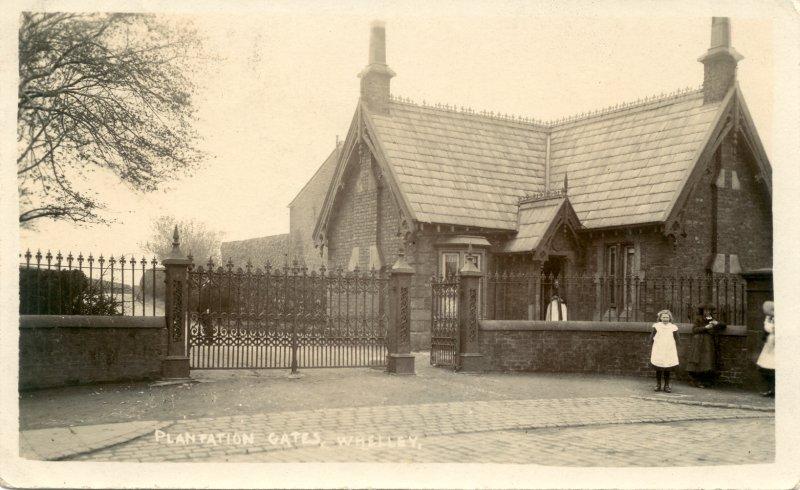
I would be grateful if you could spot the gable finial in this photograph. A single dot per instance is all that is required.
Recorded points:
(566, 183)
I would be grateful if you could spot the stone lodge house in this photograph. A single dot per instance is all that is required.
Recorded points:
(672, 184)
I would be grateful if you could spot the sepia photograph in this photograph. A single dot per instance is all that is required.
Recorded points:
(399, 245)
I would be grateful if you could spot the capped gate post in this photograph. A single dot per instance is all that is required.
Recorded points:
(470, 359)
(399, 359)
(176, 266)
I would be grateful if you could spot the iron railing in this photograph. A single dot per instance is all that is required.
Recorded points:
(444, 320)
(518, 296)
(57, 284)
(286, 317)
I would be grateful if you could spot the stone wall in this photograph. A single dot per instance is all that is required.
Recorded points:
(601, 348)
(67, 350)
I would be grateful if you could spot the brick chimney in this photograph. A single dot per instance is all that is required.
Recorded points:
(719, 62)
(376, 75)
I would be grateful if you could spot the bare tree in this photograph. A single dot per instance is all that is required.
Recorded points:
(100, 91)
(196, 239)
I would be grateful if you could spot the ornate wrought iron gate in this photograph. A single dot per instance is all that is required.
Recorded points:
(444, 320)
(285, 318)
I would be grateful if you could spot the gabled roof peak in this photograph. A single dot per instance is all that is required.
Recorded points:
(655, 99)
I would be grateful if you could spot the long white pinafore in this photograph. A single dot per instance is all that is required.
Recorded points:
(665, 352)
(767, 358)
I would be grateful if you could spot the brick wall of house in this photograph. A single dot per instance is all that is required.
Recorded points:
(345, 227)
(744, 214)
(600, 348)
(67, 350)
(389, 239)
(356, 221)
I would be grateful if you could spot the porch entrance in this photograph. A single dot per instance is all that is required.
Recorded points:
(285, 318)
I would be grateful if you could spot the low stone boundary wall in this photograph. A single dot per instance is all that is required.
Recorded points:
(65, 350)
(602, 348)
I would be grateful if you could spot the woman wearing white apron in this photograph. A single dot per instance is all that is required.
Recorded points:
(556, 309)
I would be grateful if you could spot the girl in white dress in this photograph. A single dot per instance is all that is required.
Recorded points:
(766, 361)
(664, 356)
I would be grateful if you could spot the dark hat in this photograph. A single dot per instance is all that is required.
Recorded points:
(706, 307)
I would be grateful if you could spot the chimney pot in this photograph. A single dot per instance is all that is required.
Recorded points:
(377, 42)
(720, 32)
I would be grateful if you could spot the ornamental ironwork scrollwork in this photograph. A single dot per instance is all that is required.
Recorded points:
(231, 313)
(403, 327)
(177, 310)
(473, 314)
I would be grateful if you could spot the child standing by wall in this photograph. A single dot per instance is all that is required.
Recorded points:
(702, 358)
(766, 361)
(664, 356)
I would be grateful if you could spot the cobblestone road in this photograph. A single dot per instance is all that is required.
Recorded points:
(716, 442)
(606, 431)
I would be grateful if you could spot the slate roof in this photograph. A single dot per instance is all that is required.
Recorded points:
(461, 168)
(534, 219)
(625, 166)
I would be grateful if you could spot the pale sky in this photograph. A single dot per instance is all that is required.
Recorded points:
(282, 86)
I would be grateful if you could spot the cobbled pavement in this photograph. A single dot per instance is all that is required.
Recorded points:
(605, 431)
